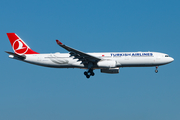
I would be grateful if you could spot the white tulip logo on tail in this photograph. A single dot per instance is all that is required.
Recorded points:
(19, 47)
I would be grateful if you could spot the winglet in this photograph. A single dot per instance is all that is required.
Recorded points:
(58, 42)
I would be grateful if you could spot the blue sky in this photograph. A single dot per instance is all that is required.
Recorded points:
(32, 92)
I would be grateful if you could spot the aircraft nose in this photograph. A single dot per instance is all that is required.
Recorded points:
(171, 59)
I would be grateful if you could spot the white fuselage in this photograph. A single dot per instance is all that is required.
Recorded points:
(107, 62)
(121, 59)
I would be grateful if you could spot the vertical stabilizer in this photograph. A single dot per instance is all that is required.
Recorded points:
(18, 45)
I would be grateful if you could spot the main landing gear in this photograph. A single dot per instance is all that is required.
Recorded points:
(89, 73)
(90, 70)
(156, 71)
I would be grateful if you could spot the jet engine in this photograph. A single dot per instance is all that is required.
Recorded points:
(110, 70)
(106, 64)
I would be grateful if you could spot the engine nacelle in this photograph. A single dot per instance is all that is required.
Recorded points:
(110, 70)
(106, 64)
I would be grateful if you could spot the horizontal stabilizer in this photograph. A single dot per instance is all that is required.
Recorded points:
(22, 57)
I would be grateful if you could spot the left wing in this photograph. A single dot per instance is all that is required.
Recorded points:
(81, 56)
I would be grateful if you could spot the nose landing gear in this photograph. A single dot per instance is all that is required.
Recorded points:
(89, 73)
(156, 71)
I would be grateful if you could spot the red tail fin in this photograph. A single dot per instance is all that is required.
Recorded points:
(18, 45)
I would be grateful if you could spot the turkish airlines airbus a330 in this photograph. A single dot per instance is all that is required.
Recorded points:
(108, 62)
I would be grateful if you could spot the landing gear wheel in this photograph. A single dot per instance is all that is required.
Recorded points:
(88, 76)
(92, 74)
(89, 73)
(156, 71)
(85, 73)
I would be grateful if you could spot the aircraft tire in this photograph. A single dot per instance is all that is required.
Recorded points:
(87, 76)
(92, 74)
(85, 73)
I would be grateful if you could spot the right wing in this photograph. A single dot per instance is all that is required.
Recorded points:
(84, 57)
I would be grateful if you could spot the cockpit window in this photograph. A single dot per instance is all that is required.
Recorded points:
(166, 55)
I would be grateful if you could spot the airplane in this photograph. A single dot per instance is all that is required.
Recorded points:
(107, 62)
